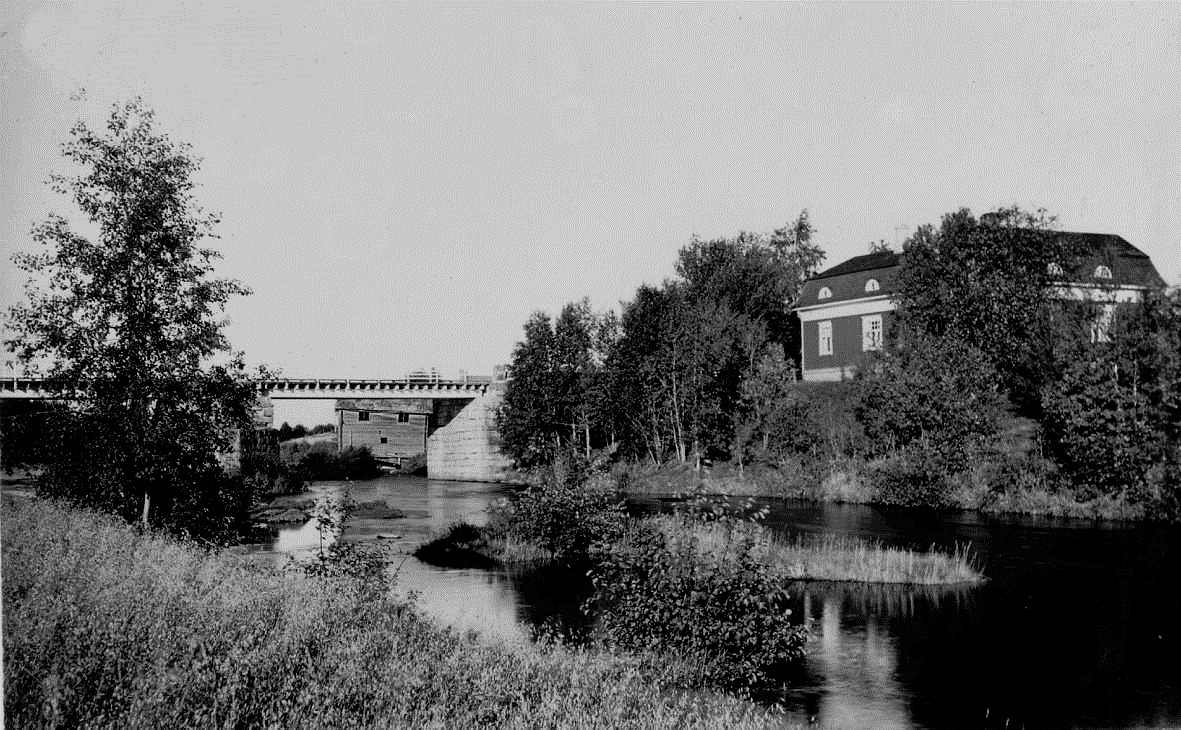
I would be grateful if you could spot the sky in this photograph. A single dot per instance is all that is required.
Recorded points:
(401, 185)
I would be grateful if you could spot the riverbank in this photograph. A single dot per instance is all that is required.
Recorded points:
(107, 627)
(852, 481)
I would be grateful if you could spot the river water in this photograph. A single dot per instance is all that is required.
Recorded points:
(1077, 626)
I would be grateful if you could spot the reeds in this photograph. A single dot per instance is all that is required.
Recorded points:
(832, 557)
(106, 627)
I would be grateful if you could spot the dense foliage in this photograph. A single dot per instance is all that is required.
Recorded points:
(992, 378)
(664, 380)
(557, 397)
(571, 513)
(980, 322)
(658, 589)
(1114, 413)
(666, 589)
(987, 283)
(127, 325)
(938, 393)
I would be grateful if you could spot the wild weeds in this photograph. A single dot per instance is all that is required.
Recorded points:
(107, 627)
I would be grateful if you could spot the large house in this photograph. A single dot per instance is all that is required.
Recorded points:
(845, 311)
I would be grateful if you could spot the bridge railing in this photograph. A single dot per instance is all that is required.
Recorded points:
(31, 387)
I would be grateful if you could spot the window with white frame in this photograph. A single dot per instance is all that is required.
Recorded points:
(825, 344)
(1102, 272)
(872, 285)
(825, 293)
(871, 332)
(1054, 269)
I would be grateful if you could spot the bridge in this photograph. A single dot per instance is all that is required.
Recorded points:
(451, 422)
(411, 386)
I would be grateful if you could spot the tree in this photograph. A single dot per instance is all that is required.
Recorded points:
(1114, 412)
(772, 419)
(986, 282)
(556, 397)
(939, 394)
(127, 325)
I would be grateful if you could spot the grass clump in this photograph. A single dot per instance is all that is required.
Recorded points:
(848, 559)
(108, 627)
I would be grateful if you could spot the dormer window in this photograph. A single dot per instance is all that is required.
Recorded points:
(872, 285)
(1102, 272)
(1053, 269)
(825, 293)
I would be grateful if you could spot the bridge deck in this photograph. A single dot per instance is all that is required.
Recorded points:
(307, 388)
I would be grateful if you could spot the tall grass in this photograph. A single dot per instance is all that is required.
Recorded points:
(106, 627)
(835, 558)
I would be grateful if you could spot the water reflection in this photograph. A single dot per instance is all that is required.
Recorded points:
(1075, 628)
(487, 602)
(850, 678)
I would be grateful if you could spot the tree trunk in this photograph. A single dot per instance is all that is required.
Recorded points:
(147, 509)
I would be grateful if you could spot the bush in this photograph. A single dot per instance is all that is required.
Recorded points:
(941, 392)
(323, 461)
(659, 590)
(1099, 427)
(192, 497)
(916, 476)
(571, 513)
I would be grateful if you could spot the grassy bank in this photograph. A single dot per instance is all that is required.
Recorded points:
(105, 627)
(1004, 485)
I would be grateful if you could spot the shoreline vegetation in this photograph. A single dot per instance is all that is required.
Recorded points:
(714, 574)
(852, 481)
(825, 558)
(106, 626)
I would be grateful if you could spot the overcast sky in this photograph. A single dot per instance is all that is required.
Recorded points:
(402, 184)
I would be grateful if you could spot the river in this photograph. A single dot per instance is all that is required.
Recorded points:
(1077, 625)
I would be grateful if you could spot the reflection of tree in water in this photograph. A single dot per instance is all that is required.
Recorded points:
(851, 676)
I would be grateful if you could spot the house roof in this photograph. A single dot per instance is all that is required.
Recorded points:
(1129, 265)
(847, 280)
(868, 262)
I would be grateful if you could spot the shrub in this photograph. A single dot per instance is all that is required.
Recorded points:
(941, 392)
(191, 496)
(916, 476)
(461, 545)
(659, 590)
(570, 513)
(1099, 427)
(323, 461)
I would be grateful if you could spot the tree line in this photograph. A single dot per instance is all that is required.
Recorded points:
(663, 379)
(705, 366)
